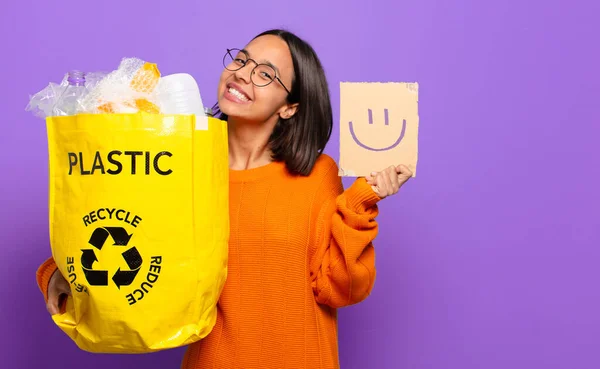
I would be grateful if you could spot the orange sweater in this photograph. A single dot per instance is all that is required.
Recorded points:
(300, 247)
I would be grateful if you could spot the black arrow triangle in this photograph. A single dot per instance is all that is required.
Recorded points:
(96, 277)
(87, 258)
(132, 258)
(119, 235)
(124, 277)
(98, 238)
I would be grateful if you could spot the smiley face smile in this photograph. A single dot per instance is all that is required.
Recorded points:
(387, 123)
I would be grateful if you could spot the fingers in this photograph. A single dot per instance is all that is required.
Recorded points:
(394, 179)
(386, 180)
(57, 287)
(52, 304)
(371, 178)
(404, 171)
(389, 181)
(381, 182)
(64, 288)
(53, 295)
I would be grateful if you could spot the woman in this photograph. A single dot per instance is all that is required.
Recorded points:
(300, 246)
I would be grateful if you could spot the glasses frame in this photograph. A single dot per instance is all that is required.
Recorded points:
(248, 59)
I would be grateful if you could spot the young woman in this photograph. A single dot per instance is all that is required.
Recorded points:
(300, 246)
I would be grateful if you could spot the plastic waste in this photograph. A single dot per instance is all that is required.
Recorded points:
(179, 94)
(128, 89)
(43, 103)
(69, 101)
(135, 86)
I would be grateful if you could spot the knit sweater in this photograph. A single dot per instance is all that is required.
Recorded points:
(300, 247)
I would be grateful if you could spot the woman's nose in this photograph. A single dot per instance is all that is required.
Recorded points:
(244, 73)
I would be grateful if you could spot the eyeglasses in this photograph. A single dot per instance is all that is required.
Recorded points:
(261, 75)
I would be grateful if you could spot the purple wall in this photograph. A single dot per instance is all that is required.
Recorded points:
(488, 259)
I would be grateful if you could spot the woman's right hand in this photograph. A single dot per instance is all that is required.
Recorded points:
(58, 288)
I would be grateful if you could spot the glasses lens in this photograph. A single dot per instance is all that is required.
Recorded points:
(234, 59)
(263, 75)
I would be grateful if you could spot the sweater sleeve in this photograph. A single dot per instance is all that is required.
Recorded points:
(43, 275)
(342, 269)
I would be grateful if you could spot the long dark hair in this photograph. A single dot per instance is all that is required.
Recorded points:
(299, 140)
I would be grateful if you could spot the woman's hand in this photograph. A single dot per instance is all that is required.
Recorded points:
(58, 287)
(388, 181)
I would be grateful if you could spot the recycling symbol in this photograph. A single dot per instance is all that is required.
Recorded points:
(131, 256)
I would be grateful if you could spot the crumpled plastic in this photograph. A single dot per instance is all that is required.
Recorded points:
(130, 88)
(43, 102)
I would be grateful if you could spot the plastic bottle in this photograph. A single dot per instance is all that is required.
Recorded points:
(69, 102)
(179, 94)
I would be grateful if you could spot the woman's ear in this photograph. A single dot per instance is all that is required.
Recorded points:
(288, 111)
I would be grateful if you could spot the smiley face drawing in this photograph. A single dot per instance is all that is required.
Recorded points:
(379, 124)
(387, 123)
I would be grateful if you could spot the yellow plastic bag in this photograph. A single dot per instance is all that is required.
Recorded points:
(139, 226)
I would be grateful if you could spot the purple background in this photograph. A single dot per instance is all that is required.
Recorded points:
(488, 259)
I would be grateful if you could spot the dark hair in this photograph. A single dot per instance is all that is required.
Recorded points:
(299, 140)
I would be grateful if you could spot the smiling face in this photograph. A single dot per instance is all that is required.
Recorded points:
(241, 99)
(380, 123)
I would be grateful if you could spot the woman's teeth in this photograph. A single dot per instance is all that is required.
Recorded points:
(237, 94)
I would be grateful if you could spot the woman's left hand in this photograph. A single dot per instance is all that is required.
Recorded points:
(388, 181)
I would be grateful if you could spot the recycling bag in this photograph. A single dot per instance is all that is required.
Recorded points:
(139, 227)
